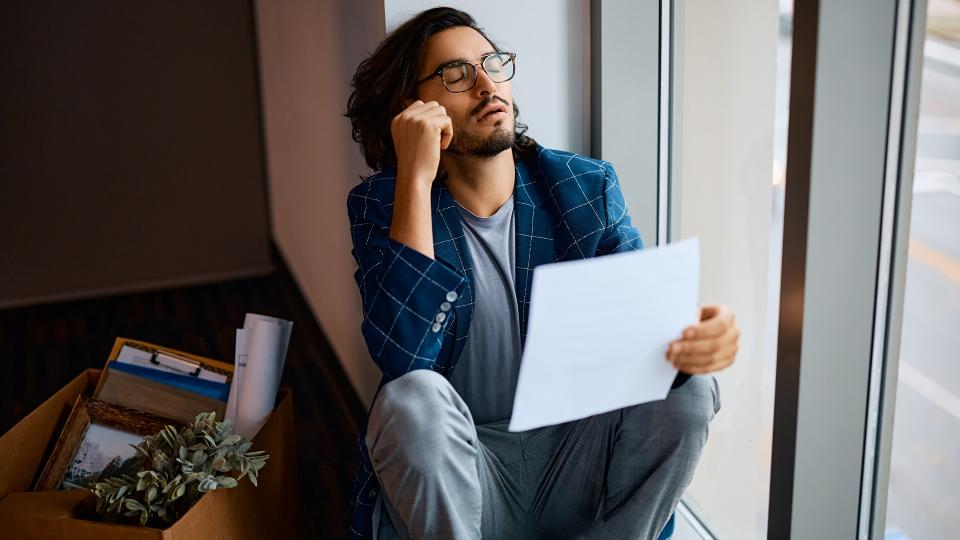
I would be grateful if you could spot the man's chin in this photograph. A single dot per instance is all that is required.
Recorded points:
(471, 145)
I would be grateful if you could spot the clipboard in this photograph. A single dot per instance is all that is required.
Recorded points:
(187, 361)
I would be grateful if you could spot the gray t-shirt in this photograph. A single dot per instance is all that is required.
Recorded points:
(486, 373)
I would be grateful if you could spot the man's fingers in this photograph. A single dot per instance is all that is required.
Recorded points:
(705, 363)
(430, 115)
(426, 113)
(430, 107)
(720, 355)
(691, 348)
(710, 328)
(716, 321)
(700, 346)
(710, 345)
(419, 108)
(412, 105)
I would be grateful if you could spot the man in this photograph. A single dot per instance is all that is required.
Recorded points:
(464, 205)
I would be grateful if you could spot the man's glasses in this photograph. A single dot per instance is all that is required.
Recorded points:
(461, 76)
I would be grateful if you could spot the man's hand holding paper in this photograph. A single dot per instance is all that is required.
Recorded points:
(600, 329)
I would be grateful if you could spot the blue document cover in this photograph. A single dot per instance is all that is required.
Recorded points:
(209, 389)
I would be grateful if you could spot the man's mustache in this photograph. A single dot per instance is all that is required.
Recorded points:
(483, 104)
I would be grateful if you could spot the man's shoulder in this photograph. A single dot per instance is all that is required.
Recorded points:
(381, 182)
(556, 156)
(375, 190)
(559, 166)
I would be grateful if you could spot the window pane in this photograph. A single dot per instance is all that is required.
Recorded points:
(733, 103)
(924, 472)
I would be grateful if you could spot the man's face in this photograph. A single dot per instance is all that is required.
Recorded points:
(474, 134)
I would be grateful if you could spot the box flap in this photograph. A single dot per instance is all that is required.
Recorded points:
(25, 447)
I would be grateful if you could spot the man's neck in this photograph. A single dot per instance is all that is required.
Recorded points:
(481, 186)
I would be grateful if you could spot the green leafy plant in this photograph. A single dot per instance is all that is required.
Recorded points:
(175, 469)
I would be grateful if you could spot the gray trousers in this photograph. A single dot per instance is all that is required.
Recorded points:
(614, 475)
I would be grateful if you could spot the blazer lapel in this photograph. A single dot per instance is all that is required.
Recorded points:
(448, 241)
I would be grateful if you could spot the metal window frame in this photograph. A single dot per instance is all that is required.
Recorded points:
(851, 145)
(911, 32)
(628, 33)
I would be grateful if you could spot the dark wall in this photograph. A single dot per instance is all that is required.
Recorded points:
(130, 147)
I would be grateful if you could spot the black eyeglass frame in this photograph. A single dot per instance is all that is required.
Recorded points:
(483, 59)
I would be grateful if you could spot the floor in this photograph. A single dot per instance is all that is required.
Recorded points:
(44, 347)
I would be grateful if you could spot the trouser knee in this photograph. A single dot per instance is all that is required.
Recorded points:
(683, 418)
(417, 420)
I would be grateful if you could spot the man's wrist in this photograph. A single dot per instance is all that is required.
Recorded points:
(414, 183)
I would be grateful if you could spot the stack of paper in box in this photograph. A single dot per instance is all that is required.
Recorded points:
(180, 385)
(163, 381)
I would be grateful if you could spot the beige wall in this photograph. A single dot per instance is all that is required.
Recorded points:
(131, 154)
(308, 52)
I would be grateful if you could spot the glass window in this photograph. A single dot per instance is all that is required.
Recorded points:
(924, 471)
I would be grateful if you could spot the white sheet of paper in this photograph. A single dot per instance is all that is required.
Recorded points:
(287, 327)
(136, 357)
(598, 332)
(168, 364)
(261, 352)
(260, 378)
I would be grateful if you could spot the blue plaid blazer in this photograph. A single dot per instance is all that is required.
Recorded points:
(416, 310)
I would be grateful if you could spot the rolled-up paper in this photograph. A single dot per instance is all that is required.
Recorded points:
(263, 346)
(260, 378)
(287, 330)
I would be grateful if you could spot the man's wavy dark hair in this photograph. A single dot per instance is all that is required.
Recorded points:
(389, 76)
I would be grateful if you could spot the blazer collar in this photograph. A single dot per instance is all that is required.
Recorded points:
(529, 192)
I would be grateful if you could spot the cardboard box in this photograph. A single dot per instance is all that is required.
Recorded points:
(271, 510)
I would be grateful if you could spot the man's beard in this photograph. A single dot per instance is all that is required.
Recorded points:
(468, 144)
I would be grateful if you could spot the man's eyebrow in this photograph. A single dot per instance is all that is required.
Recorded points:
(456, 60)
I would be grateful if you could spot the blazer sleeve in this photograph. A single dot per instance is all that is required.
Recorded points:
(402, 290)
(619, 234)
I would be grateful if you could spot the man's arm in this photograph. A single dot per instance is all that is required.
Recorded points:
(404, 290)
(401, 289)
(419, 132)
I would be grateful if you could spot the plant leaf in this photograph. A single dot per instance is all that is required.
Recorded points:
(227, 482)
(230, 439)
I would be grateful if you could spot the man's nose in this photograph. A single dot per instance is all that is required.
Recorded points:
(485, 84)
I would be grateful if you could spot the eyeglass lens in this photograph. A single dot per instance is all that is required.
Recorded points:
(461, 77)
